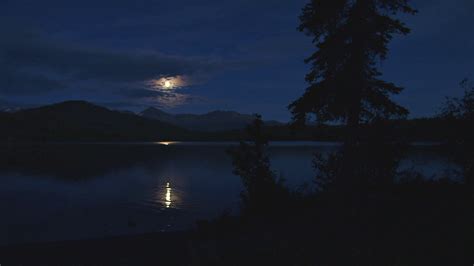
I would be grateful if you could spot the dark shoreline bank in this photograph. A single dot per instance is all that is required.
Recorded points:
(145, 249)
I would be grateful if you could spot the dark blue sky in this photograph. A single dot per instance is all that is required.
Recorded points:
(242, 55)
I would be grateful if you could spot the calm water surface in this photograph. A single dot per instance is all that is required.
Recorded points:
(76, 191)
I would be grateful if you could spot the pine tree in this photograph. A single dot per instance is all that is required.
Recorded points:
(351, 38)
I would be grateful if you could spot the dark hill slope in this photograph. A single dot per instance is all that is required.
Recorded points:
(83, 121)
(212, 121)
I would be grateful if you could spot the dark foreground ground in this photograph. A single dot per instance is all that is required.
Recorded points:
(415, 223)
(149, 249)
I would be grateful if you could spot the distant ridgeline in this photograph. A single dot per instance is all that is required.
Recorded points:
(212, 121)
(83, 121)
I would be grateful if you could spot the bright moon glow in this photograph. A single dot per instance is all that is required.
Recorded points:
(168, 87)
(169, 83)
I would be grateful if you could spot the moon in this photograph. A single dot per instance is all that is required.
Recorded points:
(167, 83)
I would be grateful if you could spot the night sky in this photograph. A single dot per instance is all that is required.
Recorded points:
(198, 56)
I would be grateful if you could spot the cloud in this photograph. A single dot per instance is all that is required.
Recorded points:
(32, 64)
(15, 81)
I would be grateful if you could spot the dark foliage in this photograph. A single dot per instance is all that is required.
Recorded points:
(350, 38)
(460, 108)
(366, 213)
(363, 212)
(459, 114)
(264, 192)
(367, 164)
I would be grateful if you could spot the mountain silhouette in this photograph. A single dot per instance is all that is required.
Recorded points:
(7, 106)
(212, 121)
(83, 121)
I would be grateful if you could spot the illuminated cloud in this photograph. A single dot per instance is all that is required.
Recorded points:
(33, 64)
(169, 99)
(169, 82)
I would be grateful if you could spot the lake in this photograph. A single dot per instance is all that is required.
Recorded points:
(75, 191)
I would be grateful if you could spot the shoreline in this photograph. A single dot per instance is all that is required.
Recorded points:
(204, 143)
(143, 249)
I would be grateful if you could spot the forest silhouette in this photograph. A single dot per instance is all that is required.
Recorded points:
(361, 210)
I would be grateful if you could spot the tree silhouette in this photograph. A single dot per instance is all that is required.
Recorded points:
(458, 114)
(263, 191)
(351, 37)
(460, 108)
